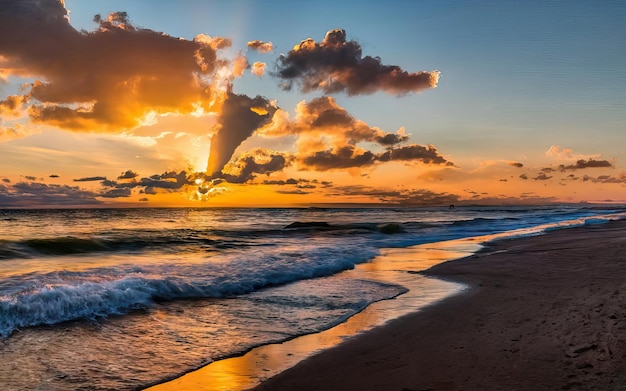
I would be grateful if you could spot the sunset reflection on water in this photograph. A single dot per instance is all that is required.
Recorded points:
(244, 372)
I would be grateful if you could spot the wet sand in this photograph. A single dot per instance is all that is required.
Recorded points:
(542, 313)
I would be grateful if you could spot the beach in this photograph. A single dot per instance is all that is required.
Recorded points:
(543, 312)
(212, 299)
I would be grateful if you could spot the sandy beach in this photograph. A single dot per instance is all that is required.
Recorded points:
(542, 313)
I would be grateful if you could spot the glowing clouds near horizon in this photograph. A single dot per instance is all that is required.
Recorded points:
(143, 84)
(329, 138)
(337, 65)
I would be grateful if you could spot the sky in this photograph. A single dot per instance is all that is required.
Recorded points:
(145, 103)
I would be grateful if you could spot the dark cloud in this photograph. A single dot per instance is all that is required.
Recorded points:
(337, 65)
(582, 164)
(53, 176)
(351, 156)
(144, 199)
(25, 195)
(523, 176)
(169, 180)
(260, 46)
(415, 152)
(129, 174)
(542, 177)
(295, 191)
(257, 161)
(6, 180)
(402, 197)
(240, 117)
(91, 179)
(107, 79)
(30, 177)
(116, 193)
(344, 157)
(516, 164)
(605, 179)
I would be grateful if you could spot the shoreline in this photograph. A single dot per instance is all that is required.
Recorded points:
(246, 371)
(543, 312)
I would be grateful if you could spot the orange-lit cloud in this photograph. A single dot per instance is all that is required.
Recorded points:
(260, 46)
(258, 68)
(328, 138)
(560, 152)
(337, 65)
(109, 79)
(12, 132)
(12, 106)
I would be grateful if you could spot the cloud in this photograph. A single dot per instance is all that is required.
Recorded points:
(350, 156)
(293, 192)
(240, 117)
(344, 157)
(337, 65)
(560, 152)
(328, 138)
(542, 177)
(129, 174)
(12, 106)
(324, 116)
(258, 68)
(109, 79)
(605, 179)
(116, 193)
(259, 161)
(582, 164)
(168, 181)
(13, 132)
(33, 194)
(260, 46)
(523, 176)
(414, 152)
(91, 179)
(516, 164)
(402, 196)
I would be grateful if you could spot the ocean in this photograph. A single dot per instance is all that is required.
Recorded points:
(121, 299)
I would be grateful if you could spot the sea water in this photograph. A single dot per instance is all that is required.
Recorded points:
(115, 299)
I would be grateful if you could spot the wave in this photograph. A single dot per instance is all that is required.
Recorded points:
(386, 228)
(482, 220)
(173, 240)
(48, 299)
